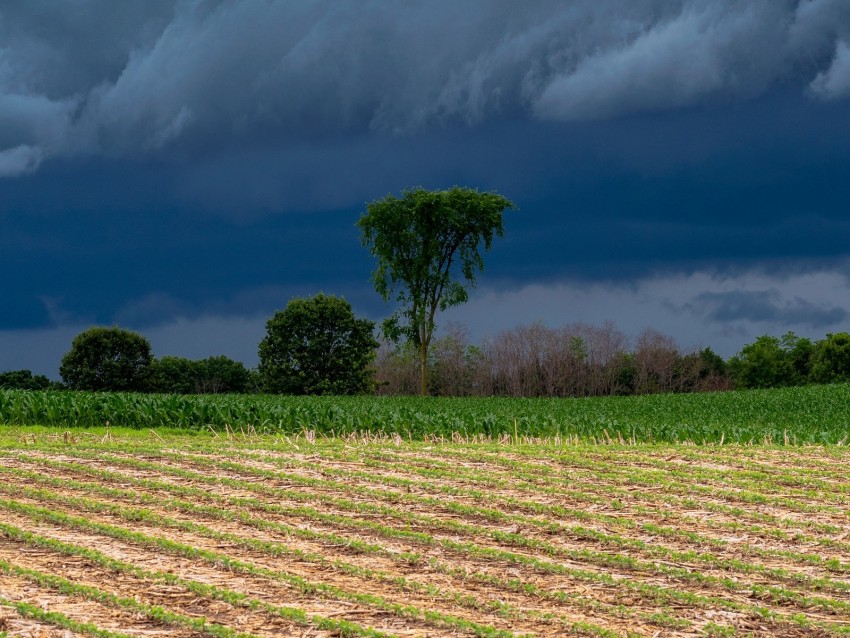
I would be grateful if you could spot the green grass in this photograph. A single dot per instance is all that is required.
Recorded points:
(808, 415)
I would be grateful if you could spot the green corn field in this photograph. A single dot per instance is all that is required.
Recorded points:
(805, 415)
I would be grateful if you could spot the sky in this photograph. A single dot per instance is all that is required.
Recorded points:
(184, 168)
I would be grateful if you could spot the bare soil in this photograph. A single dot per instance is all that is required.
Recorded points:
(439, 541)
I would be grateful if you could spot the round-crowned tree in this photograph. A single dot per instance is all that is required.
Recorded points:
(317, 346)
(107, 359)
(832, 359)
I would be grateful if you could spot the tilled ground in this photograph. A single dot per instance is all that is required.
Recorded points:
(252, 537)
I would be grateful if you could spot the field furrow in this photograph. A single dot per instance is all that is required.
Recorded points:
(387, 590)
(548, 540)
(267, 536)
(611, 491)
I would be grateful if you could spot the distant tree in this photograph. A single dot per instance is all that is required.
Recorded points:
(456, 365)
(24, 380)
(396, 369)
(627, 373)
(317, 346)
(107, 359)
(656, 361)
(831, 360)
(428, 248)
(704, 371)
(711, 363)
(221, 375)
(771, 362)
(255, 382)
(173, 375)
(208, 376)
(800, 352)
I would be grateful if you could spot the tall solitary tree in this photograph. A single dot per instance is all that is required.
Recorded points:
(428, 247)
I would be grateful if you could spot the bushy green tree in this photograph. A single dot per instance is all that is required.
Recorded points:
(221, 375)
(317, 346)
(107, 359)
(428, 247)
(831, 360)
(173, 375)
(772, 362)
(213, 375)
(24, 380)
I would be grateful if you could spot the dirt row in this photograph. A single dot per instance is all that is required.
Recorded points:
(562, 544)
(352, 560)
(638, 470)
(562, 541)
(595, 592)
(640, 527)
(454, 588)
(546, 489)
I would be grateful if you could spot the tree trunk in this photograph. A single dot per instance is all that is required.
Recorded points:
(423, 363)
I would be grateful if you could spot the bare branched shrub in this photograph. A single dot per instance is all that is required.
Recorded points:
(534, 360)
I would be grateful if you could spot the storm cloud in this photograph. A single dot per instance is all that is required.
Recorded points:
(185, 167)
(193, 76)
(765, 306)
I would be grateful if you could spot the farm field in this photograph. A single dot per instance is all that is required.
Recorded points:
(801, 415)
(142, 533)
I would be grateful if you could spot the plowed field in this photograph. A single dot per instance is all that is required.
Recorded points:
(257, 536)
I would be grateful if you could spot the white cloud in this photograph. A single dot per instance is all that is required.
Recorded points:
(677, 61)
(20, 160)
(834, 83)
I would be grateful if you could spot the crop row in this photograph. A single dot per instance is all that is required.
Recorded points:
(436, 536)
(816, 414)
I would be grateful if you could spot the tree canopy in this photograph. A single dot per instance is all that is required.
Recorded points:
(428, 245)
(212, 375)
(107, 359)
(317, 346)
(772, 362)
(24, 380)
(832, 359)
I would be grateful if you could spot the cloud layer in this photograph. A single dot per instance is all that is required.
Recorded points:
(184, 167)
(699, 309)
(188, 76)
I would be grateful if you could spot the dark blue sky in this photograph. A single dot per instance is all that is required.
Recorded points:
(185, 168)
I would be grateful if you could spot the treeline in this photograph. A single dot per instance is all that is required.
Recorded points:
(313, 346)
(537, 361)
(584, 360)
(575, 360)
(167, 375)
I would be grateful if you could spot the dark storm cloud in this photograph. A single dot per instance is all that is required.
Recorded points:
(188, 77)
(184, 167)
(765, 306)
